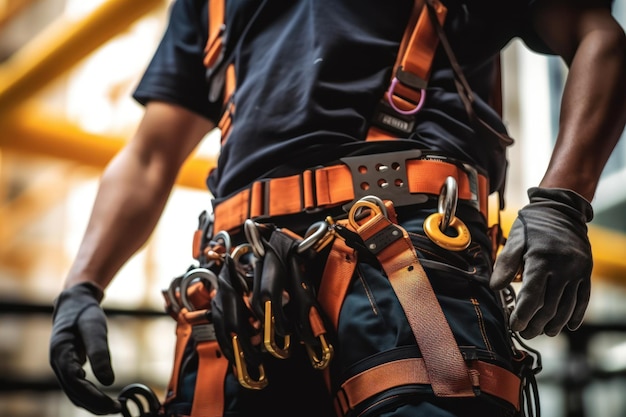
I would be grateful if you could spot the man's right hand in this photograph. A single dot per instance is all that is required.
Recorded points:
(79, 332)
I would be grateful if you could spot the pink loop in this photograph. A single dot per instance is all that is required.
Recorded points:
(417, 108)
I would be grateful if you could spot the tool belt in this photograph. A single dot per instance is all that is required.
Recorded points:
(405, 177)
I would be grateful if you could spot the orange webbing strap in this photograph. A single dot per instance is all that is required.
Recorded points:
(334, 284)
(208, 398)
(214, 45)
(493, 380)
(332, 186)
(447, 371)
(420, 51)
(183, 334)
(413, 62)
(336, 278)
(226, 121)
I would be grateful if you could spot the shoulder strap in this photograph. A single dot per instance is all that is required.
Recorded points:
(217, 27)
(411, 71)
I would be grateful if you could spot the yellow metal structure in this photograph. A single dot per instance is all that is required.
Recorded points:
(33, 131)
(61, 46)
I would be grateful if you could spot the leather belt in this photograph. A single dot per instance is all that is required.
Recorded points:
(404, 177)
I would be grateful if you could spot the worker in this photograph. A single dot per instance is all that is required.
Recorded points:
(303, 89)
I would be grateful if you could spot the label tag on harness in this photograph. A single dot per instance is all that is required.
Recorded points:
(385, 117)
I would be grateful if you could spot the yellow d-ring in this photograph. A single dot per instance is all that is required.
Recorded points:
(360, 204)
(456, 243)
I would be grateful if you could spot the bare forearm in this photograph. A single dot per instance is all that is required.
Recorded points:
(129, 202)
(593, 112)
(134, 189)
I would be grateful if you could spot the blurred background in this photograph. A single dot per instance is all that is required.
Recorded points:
(67, 69)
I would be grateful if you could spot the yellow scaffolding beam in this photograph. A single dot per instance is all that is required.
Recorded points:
(63, 44)
(32, 131)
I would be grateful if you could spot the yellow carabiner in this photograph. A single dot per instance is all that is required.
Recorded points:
(268, 335)
(432, 227)
(243, 377)
(327, 354)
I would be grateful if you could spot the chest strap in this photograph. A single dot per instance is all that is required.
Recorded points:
(403, 177)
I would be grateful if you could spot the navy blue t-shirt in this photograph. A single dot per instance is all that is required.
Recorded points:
(311, 72)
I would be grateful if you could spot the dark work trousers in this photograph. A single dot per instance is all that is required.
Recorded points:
(372, 326)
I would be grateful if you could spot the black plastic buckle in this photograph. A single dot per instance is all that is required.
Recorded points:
(383, 175)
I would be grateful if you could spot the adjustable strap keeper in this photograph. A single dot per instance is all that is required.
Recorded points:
(491, 379)
(404, 177)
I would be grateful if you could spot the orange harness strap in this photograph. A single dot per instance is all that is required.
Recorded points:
(216, 30)
(398, 257)
(413, 63)
(208, 399)
(332, 186)
(448, 374)
(492, 380)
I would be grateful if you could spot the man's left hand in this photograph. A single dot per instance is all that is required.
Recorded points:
(548, 244)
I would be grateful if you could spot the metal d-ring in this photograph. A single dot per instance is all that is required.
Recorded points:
(372, 202)
(448, 198)
(202, 274)
(414, 110)
(225, 238)
(437, 223)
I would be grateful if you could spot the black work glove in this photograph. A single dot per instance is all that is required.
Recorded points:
(548, 243)
(79, 332)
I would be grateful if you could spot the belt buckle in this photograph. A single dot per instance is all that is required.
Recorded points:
(383, 175)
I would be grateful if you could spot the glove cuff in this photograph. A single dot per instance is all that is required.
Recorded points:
(85, 288)
(572, 199)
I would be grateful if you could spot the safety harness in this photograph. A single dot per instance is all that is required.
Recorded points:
(370, 187)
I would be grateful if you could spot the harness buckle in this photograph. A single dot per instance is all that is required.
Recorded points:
(383, 175)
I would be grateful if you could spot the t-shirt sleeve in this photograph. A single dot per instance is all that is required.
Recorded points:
(531, 38)
(176, 73)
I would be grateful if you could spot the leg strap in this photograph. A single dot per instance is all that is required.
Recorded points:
(446, 368)
(492, 380)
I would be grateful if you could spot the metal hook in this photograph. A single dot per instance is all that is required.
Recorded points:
(314, 237)
(269, 340)
(243, 377)
(327, 354)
